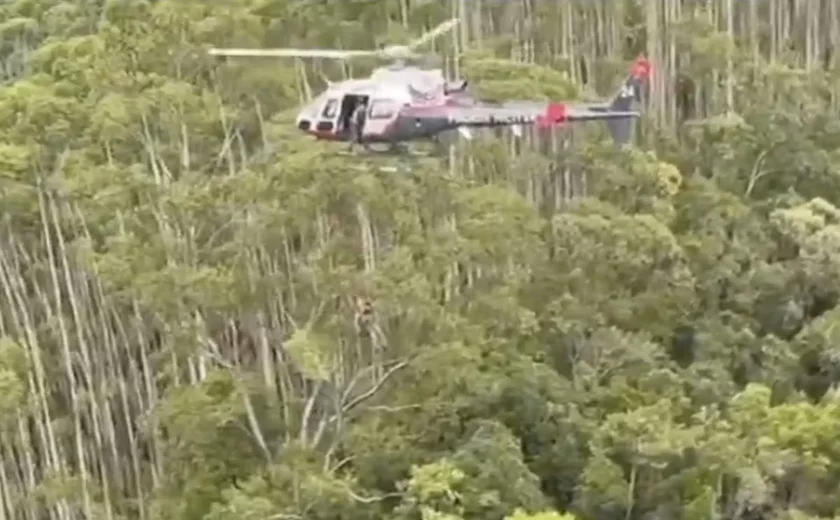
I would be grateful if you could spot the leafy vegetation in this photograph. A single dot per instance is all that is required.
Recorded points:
(205, 316)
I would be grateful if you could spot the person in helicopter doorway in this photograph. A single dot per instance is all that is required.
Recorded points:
(357, 123)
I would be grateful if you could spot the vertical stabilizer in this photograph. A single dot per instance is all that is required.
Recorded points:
(628, 94)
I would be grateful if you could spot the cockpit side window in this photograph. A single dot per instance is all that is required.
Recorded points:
(330, 109)
(382, 109)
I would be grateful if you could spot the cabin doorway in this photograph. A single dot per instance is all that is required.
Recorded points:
(348, 105)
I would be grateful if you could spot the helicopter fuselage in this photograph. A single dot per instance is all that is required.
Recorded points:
(391, 95)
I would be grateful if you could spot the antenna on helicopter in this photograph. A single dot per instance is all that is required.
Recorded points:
(398, 54)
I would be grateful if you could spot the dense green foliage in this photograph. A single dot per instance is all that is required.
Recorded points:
(204, 316)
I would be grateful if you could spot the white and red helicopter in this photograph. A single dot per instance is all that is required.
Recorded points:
(407, 103)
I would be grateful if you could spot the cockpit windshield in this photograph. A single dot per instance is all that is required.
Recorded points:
(330, 109)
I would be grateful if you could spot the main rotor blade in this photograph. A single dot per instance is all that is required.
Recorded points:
(291, 53)
(392, 52)
(434, 33)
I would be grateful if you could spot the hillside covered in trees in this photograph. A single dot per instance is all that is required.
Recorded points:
(205, 316)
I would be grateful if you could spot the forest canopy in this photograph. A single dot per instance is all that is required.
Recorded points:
(206, 316)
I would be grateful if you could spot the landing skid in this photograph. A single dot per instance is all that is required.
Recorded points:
(396, 149)
(402, 149)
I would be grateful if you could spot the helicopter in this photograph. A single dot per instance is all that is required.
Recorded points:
(402, 102)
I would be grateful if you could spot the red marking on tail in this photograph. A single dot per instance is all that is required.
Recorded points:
(641, 68)
(554, 113)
